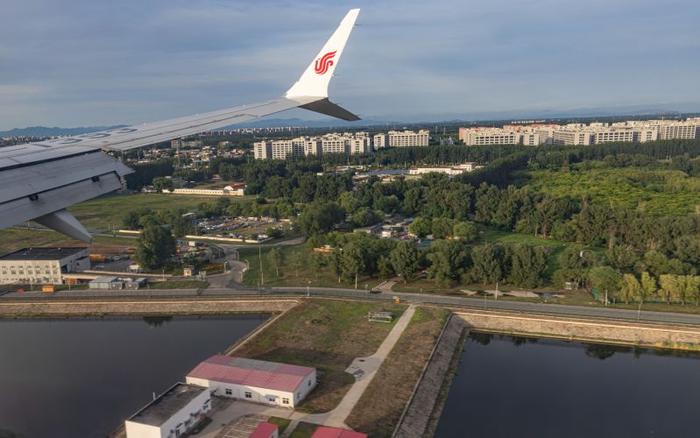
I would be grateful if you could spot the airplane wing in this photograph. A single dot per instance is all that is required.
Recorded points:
(39, 180)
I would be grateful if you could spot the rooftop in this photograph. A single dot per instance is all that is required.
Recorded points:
(334, 432)
(42, 253)
(167, 404)
(251, 372)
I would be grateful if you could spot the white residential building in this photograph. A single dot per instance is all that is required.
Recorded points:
(254, 380)
(398, 139)
(42, 265)
(581, 134)
(172, 414)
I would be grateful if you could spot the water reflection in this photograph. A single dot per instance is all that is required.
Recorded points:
(518, 386)
(82, 377)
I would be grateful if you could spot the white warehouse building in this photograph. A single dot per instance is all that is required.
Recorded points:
(42, 265)
(172, 414)
(254, 380)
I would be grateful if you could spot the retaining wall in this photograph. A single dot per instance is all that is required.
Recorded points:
(641, 334)
(143, 307)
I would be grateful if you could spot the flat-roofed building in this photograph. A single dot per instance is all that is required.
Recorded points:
(406, 138)
(254, 380)
(488, 136)
(380, 141)
(42, 265)
(172, 414)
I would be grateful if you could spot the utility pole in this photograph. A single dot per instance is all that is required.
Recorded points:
(262, 274)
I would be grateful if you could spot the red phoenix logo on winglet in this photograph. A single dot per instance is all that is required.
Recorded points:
(324, 63)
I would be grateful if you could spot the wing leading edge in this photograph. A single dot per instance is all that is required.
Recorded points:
(39, 180)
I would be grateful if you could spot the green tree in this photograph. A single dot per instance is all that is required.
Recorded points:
(421, 227)
(465, 231)
(352, 261)
(156, 246)
(442, 227)
(605, 279)
(275, 258)
(630, 289)
(672, 287)
(487, 261)
(404, 259)
(649, 286)
(449, 260)
(320, 217)
(528, 264)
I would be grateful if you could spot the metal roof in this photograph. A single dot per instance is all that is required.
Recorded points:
(252, 372)
(167, 404)
(334, 432)
(43, 253)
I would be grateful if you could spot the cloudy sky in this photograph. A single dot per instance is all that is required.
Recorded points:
(102, 62)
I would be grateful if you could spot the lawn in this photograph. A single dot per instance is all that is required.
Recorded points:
(656, 192)
(107, 212)
(12, 239)
(324, 334)
(380, 407)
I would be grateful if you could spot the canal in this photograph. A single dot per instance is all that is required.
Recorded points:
(511, 386)
(83, 377)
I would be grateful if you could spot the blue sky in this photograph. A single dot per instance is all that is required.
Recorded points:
(96, 62)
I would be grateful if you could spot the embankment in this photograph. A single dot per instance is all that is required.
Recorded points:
(669, 336)
(180, 306)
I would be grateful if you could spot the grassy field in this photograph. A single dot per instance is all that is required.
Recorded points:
(295, 270)
(324, 334)
(656, 192)
(12, 239)
(103, 213)
(380, 407)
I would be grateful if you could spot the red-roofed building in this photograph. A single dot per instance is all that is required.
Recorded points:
(254, 380)
(334, 432)
(265, 430)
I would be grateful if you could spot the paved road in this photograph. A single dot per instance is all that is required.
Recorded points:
(456, 301)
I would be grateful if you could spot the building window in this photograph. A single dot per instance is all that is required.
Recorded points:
(248, 394)
(228, 391)
(285, 401)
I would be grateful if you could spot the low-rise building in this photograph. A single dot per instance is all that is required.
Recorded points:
(43, 265)
(336, 432)
(171, 414)
(254, 380)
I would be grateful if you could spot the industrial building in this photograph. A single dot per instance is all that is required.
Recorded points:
(42, 265)
(254, 380)
(171, 414)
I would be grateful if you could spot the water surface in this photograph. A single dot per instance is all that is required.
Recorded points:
(83, 377)
(507, 387)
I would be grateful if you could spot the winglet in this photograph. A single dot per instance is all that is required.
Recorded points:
(313, 83)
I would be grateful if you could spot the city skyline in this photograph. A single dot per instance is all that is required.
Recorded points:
(144, 62)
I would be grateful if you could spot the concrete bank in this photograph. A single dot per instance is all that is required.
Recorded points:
(587, 330)
(195, 306)
(425, 402)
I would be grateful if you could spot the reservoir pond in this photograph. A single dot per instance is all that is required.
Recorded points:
(513, 386)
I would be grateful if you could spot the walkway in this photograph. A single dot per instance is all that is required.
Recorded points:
(364, 369)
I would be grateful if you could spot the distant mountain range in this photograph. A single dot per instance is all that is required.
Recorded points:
(44, 131)
(493, 117)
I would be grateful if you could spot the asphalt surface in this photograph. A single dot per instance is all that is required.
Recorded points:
(451, 301)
